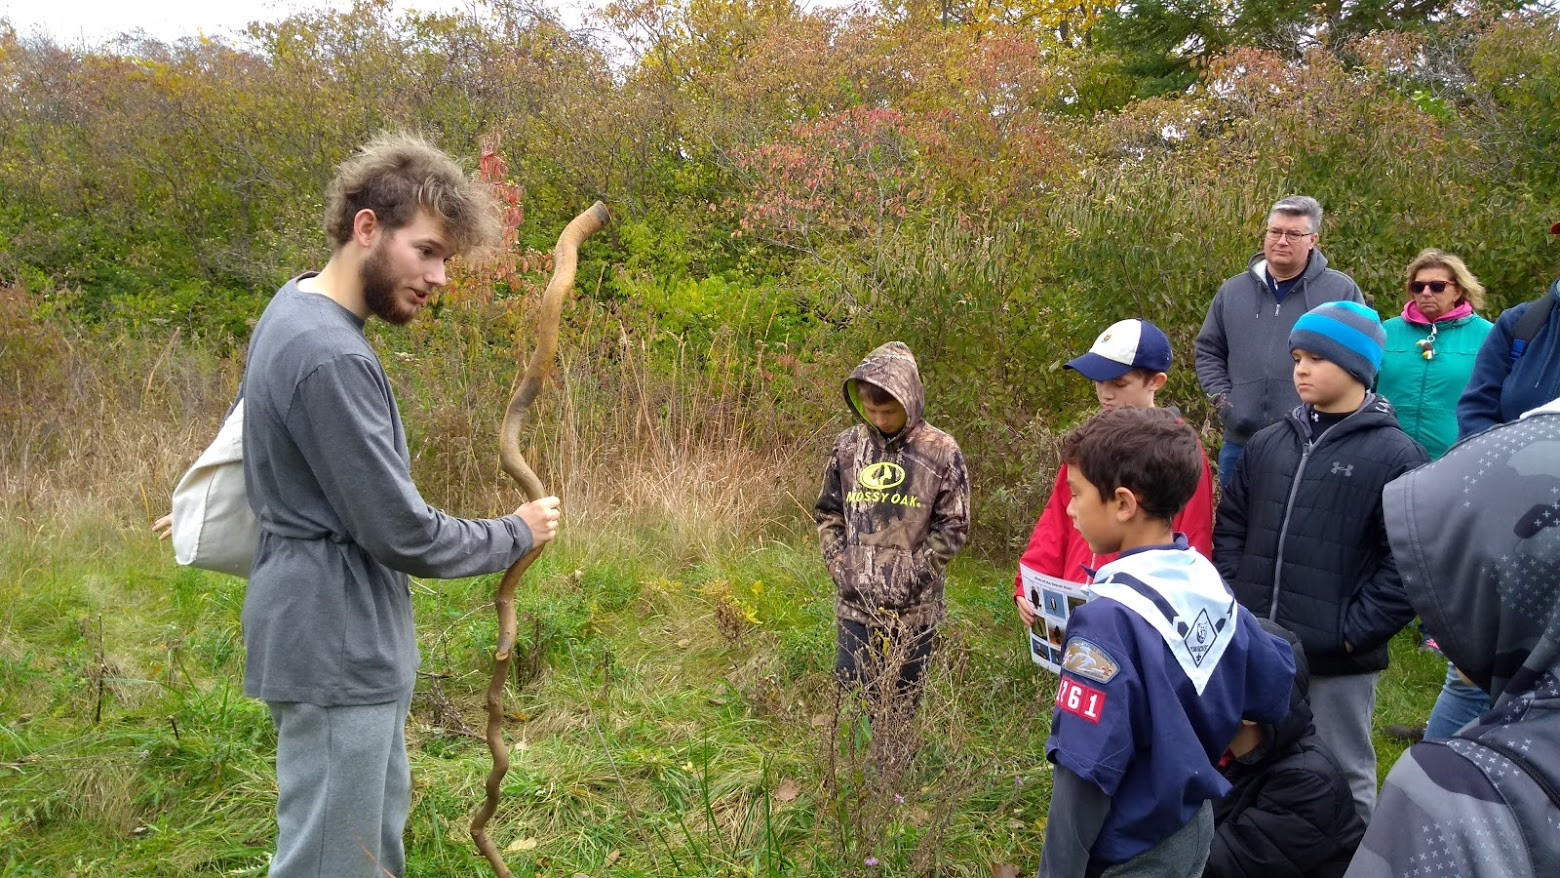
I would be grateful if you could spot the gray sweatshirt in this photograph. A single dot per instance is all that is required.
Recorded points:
(327, 616)
(1477, 537)
(1243, 348)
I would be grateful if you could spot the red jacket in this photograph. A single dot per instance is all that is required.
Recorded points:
(1057, 549)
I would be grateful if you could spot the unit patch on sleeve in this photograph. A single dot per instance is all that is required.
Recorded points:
(1080, 700)
(1087, 660)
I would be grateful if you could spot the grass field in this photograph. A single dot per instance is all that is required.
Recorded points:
(675, 717)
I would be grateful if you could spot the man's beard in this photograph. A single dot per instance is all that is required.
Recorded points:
(379, 289)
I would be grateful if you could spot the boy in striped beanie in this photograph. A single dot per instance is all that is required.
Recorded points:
(1299, 536)
(1346, 334)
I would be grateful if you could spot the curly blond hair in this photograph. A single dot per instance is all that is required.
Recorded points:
(397, 174)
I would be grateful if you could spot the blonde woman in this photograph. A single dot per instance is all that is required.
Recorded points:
(1431, 348)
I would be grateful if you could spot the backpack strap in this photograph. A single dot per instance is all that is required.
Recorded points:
(1533, 320)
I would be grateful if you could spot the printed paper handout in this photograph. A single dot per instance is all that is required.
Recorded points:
(1054, 600)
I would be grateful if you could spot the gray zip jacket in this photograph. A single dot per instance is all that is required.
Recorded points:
(1243, 348)
(327, 616)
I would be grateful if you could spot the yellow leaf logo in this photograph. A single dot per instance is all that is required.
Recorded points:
(881, 476)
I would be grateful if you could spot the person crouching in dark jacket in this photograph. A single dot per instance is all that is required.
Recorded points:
(1290, 812)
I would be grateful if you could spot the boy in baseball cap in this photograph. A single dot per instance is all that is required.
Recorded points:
(1128, 365)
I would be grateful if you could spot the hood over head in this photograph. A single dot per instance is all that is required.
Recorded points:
(1476, 535)
(892, 367)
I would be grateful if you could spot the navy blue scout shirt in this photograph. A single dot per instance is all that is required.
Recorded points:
(1158, 672)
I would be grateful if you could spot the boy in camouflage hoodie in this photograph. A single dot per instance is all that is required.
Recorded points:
(893, 511)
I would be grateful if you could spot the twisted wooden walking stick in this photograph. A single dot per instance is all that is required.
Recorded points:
(527, 384)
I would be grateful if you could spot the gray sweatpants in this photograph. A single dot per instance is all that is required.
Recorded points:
(1342, 707)
(344, 788)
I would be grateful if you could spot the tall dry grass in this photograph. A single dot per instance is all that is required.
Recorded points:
(636, 432)
(679, 717)
(99, 425)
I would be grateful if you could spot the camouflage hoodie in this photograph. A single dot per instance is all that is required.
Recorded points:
(894, 509)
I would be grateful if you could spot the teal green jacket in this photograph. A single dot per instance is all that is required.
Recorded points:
(1425, 392)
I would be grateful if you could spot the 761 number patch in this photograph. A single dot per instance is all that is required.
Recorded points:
(1080, 700)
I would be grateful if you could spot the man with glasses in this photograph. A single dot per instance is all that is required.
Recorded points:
(1243, 361)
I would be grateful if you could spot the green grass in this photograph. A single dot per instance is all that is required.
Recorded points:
(1404, 695)
(677, 718)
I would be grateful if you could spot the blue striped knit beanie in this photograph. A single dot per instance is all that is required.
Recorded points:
(1346, 333)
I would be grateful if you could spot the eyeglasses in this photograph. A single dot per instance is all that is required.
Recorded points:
(1293, 235)
(1436, 286)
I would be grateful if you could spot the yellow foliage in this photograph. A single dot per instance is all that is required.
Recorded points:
(1067, 19)
(734, 615)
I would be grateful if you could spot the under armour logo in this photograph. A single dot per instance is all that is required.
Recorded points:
(1346, 468)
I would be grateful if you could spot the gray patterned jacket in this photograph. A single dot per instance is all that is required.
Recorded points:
(1477, 535)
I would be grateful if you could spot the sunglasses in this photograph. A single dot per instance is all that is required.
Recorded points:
(1435, 286)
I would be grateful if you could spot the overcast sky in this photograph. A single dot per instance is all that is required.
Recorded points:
(95, 21)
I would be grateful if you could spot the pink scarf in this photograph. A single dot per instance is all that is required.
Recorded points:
(1411, 313)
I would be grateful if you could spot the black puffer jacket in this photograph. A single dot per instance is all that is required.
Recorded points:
(1290, 813)
(1299, 535)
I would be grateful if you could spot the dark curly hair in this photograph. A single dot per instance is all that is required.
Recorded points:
(1150, 452)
